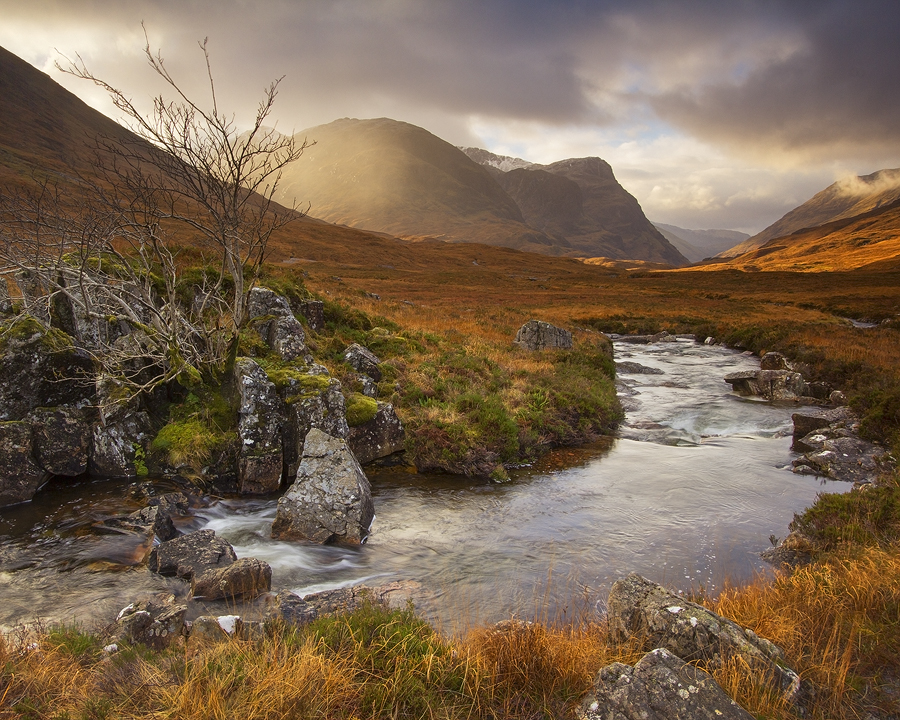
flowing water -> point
(688, 494)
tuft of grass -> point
(203, 423)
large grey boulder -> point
(769, 384)
(41, 368)
(259, 429)
(381, 436)
(313, 402)
(276, 323)
(121, 434)
(363, 360)
(660, 686)
(330, 500)
(641, 609)
(20, 475)
(61, 439)
(246, 578)
(191, 554)
(833, 452)
(539, 335)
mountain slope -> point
(581, 205)
(389, 176)
(844, 199)
(696, 245)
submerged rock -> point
(539, 335)
(191, 554)
(627, 367)
(639, 608)
(331, 500)
(660, 686)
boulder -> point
(316, 403)
(381, 436)
(774, 361)
(627, 367)
(246, 578)
(539, 335)
(20, 475)
(833, 452)
(770, 384)
(146, 520)
(212, 629)
(116, 446)
(191, 554)
(259, 429)
(363, 360)
(61, 439)
(650, 339)
(809, 421)
(330, 501)
(313, 311)
(155, 623)
(41, 367)
(290, 609)
(172, 503)
(639, 608)
(277, 325)
(660, 686)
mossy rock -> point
(360, 409)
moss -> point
(28, 328)
(360, 409)
(203, 423)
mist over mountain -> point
(846, 198)
(580, 204)
(698, 245)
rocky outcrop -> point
(290, 609)
(660, 686)
(61, 439)
(41, 368)
(330, 501)
(246, 578)
(155, 623)
(641, 609)
(539, 335)
(317, 402)
(273, 319)
(363, 360)
(191, 554)
(20, 475)
(381, 436)
(259, 429)
(769, 384)
(841, 455)
(627, 367)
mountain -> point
(870, 240)
(846, 198)
(697, 245)
(581, 205)
(388, 176)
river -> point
(688, 494)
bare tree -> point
(188, 175)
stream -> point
(688, 494)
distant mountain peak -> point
(503, 163)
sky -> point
(712, 114)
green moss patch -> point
(360, 409)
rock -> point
(290, 609)
(156, 624)
(836, 453)
(279, 328)
(638, 608)
(809, 421)
(648, 339)
(837, 398)
(774, 361)
(363, 360)
(213, 629)
(41, 368)
(190, 554)
(632, 368)
(115, 447)
(245, 578)
(770, 384)
(35, 295)
(795, 550)
(259, 429)
(369, 386)
(173, 503)
(330, 501)
(313, 311)
(147, 520)
(61, 439)
(318, 403)
(6, 305)
(660, 686)
(20, 475)
(539, 335)
(381, 436)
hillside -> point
(697, 245)
(580, 204)
(869, 241)
(841, 200)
